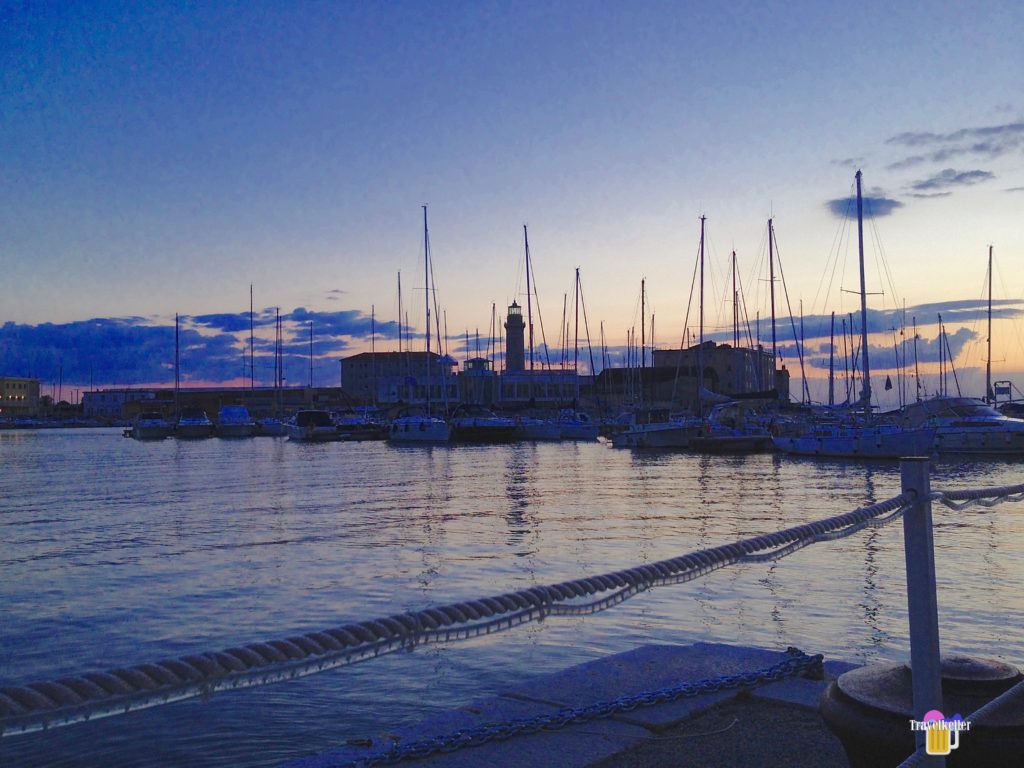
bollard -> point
(922, 605)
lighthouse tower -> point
(515, 357)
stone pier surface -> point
(774, 725)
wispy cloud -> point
(1015, 189)
(943, 180)
(988, 142)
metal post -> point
(922, 605)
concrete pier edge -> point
(646, 668)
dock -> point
(768, 725)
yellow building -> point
(18, 397)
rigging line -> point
(833, 259)
(590, 347)
(686, 324)
(880, 245)
(540, 319)
(792, 322)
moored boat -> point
(530, 428)
(235, 421)
(313, 426)
(965, 425)
(475, 424)
(419, 428)
(193, 423)
(151, 425)
(577, 425)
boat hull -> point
(313, 434)
(419, 430)
(868, 443)
(657, 436)
(236, 430)
(193, 431)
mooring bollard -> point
(922, 605)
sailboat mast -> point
(252, 357)
(643, 327)
(177, 364)
(988, 363)
(735, 307)
(576, 341)
(426, 283)
(771, 284)
(529, 295)
(310, 354)
(373, 348)
(831, 362)
(700, 344)
(866, 392)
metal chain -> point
(796, 663)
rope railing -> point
(44, 705)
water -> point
(115, 552)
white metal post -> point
(922, 605)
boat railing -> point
(45, 705)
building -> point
(122, 405)
(400, 377)
(675, 376)
(19, 397)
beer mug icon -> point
(941, 737)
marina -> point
(186, 546)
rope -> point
(983, 497)
(39, 706)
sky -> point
(160, 158)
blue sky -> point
(160, 157)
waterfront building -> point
(19, 397)
(399, 377)
(122, 405)
(673, 378)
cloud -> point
(347, 322)
(873, 205)
(214, 347)
(1015, 189)
(989, 142)
(849, 162)
(951, 178)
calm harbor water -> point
(115, 552)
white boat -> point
(967, 425)
(235, 421)
(419, 428)
(312, 427)
(193, 423)
(576, 425)
(530, 428)
(151, 425)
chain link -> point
(797, 662)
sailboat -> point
(848, 434)
(668, 431)
(967, 425)
(530, 427)
(422, 427)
